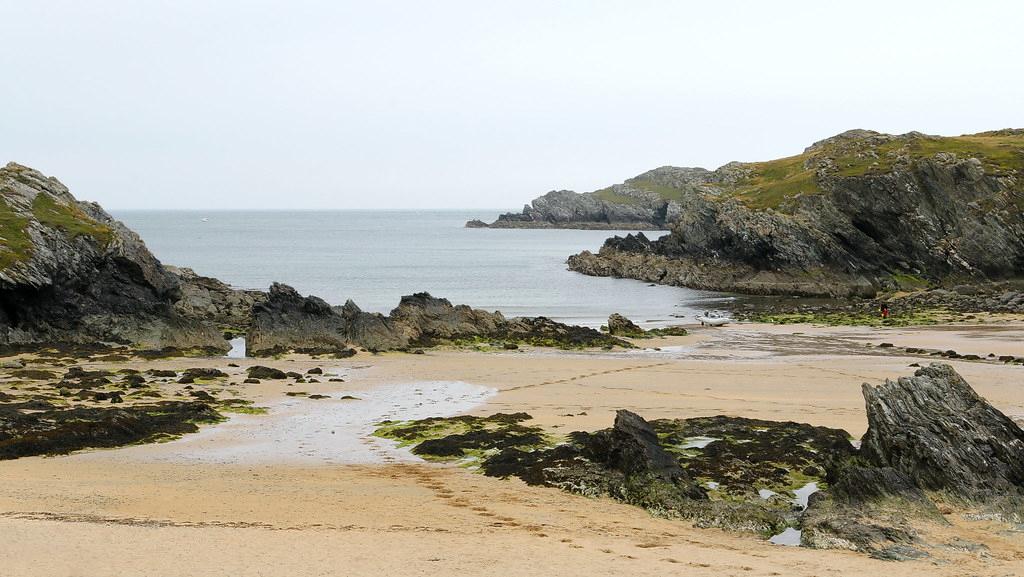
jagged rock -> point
(854, 214)
(929, 434)
(631, 447)
(620, 326)
(70, 273)
(288, 321)
(936, 430)
(214, 301)
(424, 319)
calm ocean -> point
(375, 256)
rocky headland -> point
(70, 273)
(650, 201)
(853, 215)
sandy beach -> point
(305, 489)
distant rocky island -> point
(72, 275)
(853, 215)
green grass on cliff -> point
(15, 244)
(68, 218)
(609, 195)
(772, 183)
(664, 192)
(997, 152)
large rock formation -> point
(852, 214)
(937, 431)
(930, 438)
(69, 273)
(212, 300)
(288, 321)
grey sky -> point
(311, 104)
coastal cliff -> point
(852, 215)
(70, 273)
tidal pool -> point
(299, 430)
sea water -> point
(375, 256)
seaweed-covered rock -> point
(743, 457)
(262, 372)
(203, 373)
(52, 430)
(632, 448)
(620, 326)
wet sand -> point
(222, 503)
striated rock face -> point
(287, 321)
(930, 438)
(69, 273)
(937, 431)
(853, 214)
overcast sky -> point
(330, 104)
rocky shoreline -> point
(932, 441)
(854, 215)
(71, 275)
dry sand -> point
(160, 510)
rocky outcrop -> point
(930, 438)
(288, 321)
(209, 299)
(620, 326)
(937, 431)
(69, 273)
(852, 215)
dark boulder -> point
(631, 447)
(621, 326)
(261, 372)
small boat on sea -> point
(713, 318)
